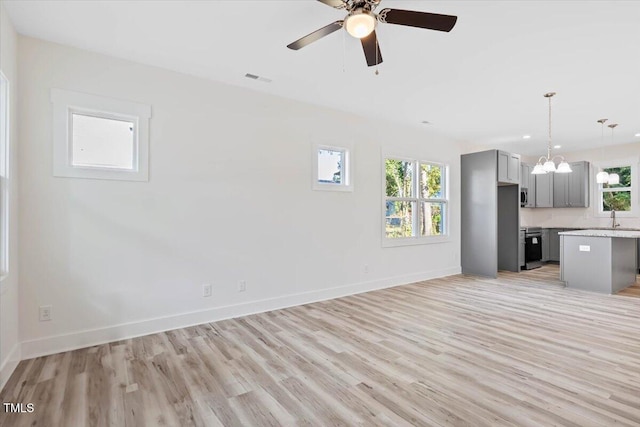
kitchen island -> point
(598, 260)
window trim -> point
(5, 187)
(66, 103)
(635, 205)
(347, 182)
(388, 242)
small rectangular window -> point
(98, 137)
(331, 168)
(102, 142)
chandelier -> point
(546, 164)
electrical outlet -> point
(206, 290)
(45, 313)
(242, 285)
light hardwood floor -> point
(520, 350)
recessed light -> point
(526, 136)
(557, 146)
(637, 134)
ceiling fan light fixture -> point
(360, 23)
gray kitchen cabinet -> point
(554, 244)
(521, 257)
(544, 190)
(561, 190)
(528, 182)
(545, 245)
(531, 190)
(486, 202)
(578, 196)
(508, 168)
(571, 190)
(525, 174)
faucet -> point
(613, 220)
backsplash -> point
(570, 217)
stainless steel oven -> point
(533, 247)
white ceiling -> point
(482, 83)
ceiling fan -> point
(361, 21)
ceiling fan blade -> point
(338, 4)
(371, 49)
(411, 18)
(316, 35)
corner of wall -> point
(9, 364)
(10, 346)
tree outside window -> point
(415, 202)
(617, 196)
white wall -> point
(9, 346)
(588, 217)
(229, 198)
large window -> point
(617, 197)
(98, 137)
(415, 201)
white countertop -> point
(628, 234)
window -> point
(102, 142)
(4, 176)
(97, 137)
(331, 168)
(415, 202)
(618, 197)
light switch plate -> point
(585, 248)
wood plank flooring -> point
(520, 350)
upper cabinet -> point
(544, 190)
(508, 168)
(528, 182)
(525, 175)
(557, 190)
(571, 190)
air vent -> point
(259, 78)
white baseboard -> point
(80, 339)
(9, 365)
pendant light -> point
(603, 176)
(614, 178)
(546, 164)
